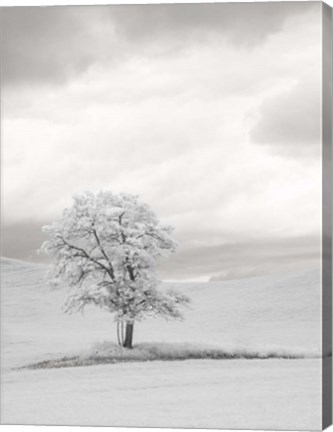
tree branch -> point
(85, 255)
(104, 253)
(123, 237)
(153, 235)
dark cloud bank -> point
(290, 122)
(54, 44)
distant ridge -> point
(254, 273)
(13, 263)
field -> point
(276, 313)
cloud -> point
(165, 108)
(289, 122)
(241, 23)
(37, 43)
(55, 44)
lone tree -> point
(106, 247)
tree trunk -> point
(122, 333)
(118, 334)
(129, 334)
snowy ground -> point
(248, 394)
(280, 311)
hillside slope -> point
(268, 312)
(281, 311)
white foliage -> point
(106, 247)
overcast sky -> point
(210, 112)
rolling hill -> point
(279, 312)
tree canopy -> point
(106, 248)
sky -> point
(209, 112)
